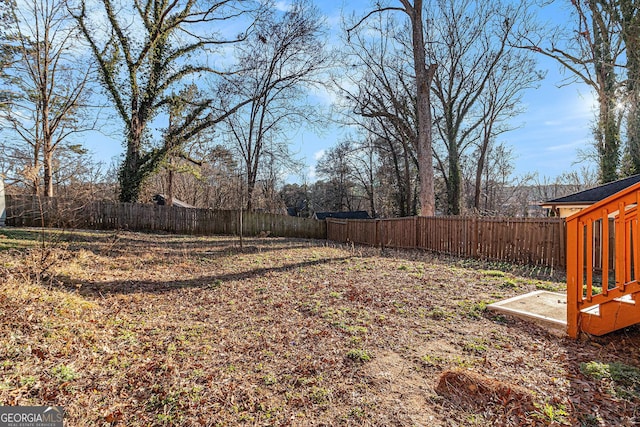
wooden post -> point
(474, 237)
(573, 252)
(376, 238)
(604, 258)
(588, 262)
(636, 240)
(620, 232)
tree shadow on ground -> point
(118, 242)
(179, 246)
(89, 289)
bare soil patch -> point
(136, 329)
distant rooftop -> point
(593, 195)
(161, 199)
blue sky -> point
(557, 121)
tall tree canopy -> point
(6, 48)
(474, 90)
(423, 77)
(590, 48)
(48, 80)
(150, 50)
(283, 59)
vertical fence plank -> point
(537, 241)
(520, 240)
(30, 211)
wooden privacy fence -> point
(30, 211)
(530, 241)
(539, 241)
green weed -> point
(508, 284)
(359, 355)
(494, 273)
(64, 373)
(624, 379)
(430, 360)
(270, 379)
(319, 395)
(438, 313)
(547, 286)
(476, 346)
(472, 310)
(552, 415)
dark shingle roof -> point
(596, 194)
(161, 199)
(343, 215)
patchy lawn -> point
(138, 329)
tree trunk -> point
(631, 36)
(47, 151)
(170, 186)
(130, 177)
(478, 182)
(608, 139)
(454, 181)
(424, 76)
(608, 129)
(48, 172)
(251, 185)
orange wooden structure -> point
(603, 265)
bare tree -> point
(50, 87)
(478, 82)
(500, 103)
(150, 50)
(378, 95)
(283, 57)
(208, 182)
(477, 85)
(366, 164)
(423, 77)
(336, 169)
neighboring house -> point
(342, 215)
(566, 206)
(161, 199)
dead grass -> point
(140, 329)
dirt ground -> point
(129, 329)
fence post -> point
(474, 237)
(3, 213)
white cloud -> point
(283, 6)
(318, 154)
(311, 174)
(569, 146)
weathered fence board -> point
(538, 241)
(531, 241)
(29, 211)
